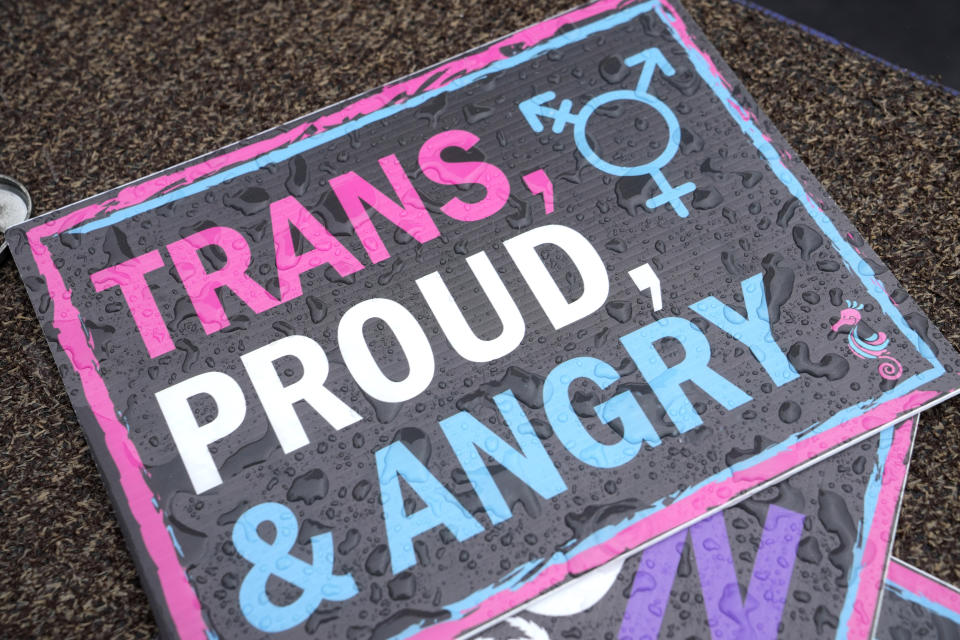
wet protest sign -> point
(399, 366)
(803, 559)
(918, 605)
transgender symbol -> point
(316, 581)
(533, 109)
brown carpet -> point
(98, 93)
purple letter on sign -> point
(650, 593)
(729, 615)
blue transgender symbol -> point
(535, 108)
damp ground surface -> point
(94, 95)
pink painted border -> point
(876, 549)
(181, 600)
(915, 581)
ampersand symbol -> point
(316, 580)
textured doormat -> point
(155, 86)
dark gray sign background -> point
(743, 221)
